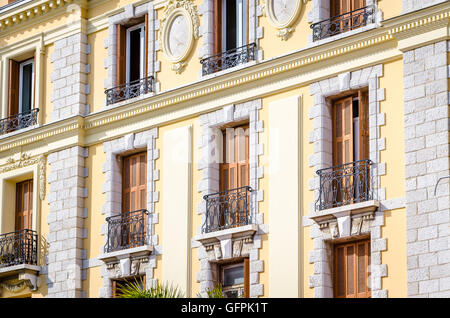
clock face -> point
(283, 10)
(178, 38)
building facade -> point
(280, 148)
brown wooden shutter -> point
(352, 261)
(234, 171)
(343, 131)
(217, 25)
(121, 49)
(363, 125)
(13, 98)
(134, 192)
(246, 278)
(358, 4)
(24, 205)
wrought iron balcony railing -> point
(20, 247)
(227, 209)
(345, 184)
(344, 22)
(228, 59)
(126, 230)
(19, 121)
(129, 90)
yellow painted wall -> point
(45, 110)
(393, 130)
(96, 98)
(273, 46)
(390, 8)
(394, 230)
(167, 78)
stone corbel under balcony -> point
(126, 262)
(228, 244)
(346, 221)
(14, 278)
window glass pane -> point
(135, 55)
(27, 81)
(233, 275)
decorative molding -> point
(29, 12)
(173, 9)
(285, 28)
(26, 160)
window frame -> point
(143, 41)
(21, 66)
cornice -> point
(387, 35)
(29, 11)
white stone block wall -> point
(69, 77)
(66, 222)
(207, 276)
(427, 126)
(413, 5)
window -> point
(21, 87)
(118, 284)
(351, 276)
(350, 129)
(349, 13)
(234, 170)
(24, 205)
(235, 279)
(231, 24)
(131, 48)
(134, 191)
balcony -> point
(126, 230)
(19, 121)
(17, 248)
(343, 23)
(345, 184)
(227, 209)
(228, 59)
(129, 90)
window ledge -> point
(18, 131)
(22, 272)
(343, 35)
(235, 232)
(350, 209)
(229, 70)
(129, 101)
(140, 251)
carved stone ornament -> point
(25, 160)
(16, 286)
(179, 28)
(282, 14)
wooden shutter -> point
(134, 192)
(358, 4)
(24, 205)
(121, 49)
(363, 125)
(13, 99)
(352, 261)
(246, 278)
(217, 26)
(234, 171)
(343, 131)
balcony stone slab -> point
(348, 220)
(228, 244)
(20, 274)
